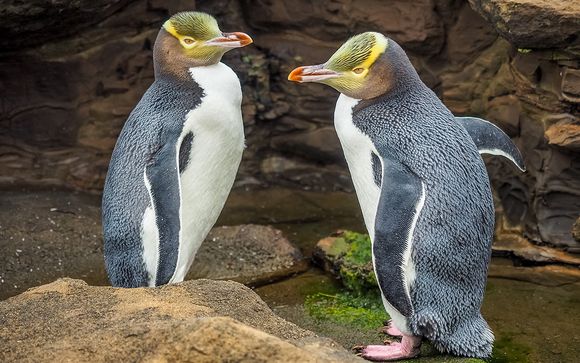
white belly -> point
(215, 156)
(357, 149)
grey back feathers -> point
(488, 138)
(146, 143)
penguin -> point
(424, 193)
(491, 140)
(176, 157)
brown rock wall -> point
(65, 94)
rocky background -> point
(70, 72)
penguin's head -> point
(366, 66)
(198, 37)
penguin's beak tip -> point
(296, 75)
(244, 38)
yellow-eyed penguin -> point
(176, 158)
(424, 193)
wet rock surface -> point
(49, 234)
(194, 321)
(249, 254)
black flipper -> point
(401, 199)
(185, 151)
(163, 176)
(490, 139)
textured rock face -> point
(56, 234)
(195, 321)
(65, 100)
(249, 254)
(31, 23)
(533, 23)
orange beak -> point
(315, 73)
(231, 40)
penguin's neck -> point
(398, 96)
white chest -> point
(215, 156)
(357, 149)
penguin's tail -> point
(472, 337)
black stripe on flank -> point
(185, 151)
(164, 180)
(400, 193)
(377, 169)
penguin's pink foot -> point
(408, 348)
(391, 330)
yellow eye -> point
(358, 70)
(188, 41)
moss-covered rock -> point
(348, 255)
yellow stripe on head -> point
(359, 51)
(171, 29)
(377, 49)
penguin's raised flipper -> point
(490, 139)
(162, 175)
(401, 200)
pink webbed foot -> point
(407, 348)
(391, 330)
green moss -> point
(355, 262)
(346, 308)
(360, 251)
(507, 350)
(340, 247)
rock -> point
(27, 24)
(69, 85)
(564, 132)
(194, 321)
(279, 164)
(249, 254)
(504, 111)
(321, 145)
(533, 23)
(58, 233)
(348, 255)
(576, 230)
(571, 85)
(469, 35)
(517, 246)
(550, 275)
